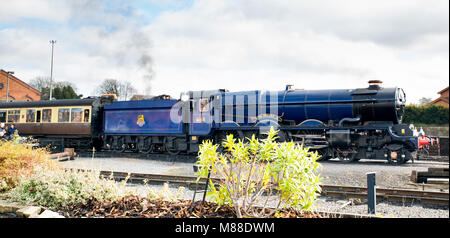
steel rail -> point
(391, 195)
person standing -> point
(12, 130)
(2, 130)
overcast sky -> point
(171, 46)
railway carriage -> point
(61, 123)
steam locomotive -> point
(349, 124)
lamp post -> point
(51, 73)
(7, 85)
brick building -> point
(442, 100)
(18, 90)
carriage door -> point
(38, 116)
(201, 116)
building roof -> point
(441, 98)
(443, 90)
(437, 100)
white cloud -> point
(265, 45)
(51, 10)
(241, 45)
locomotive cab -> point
(198, 109)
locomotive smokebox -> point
(376, 103)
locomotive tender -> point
(350, 124)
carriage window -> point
(204, 107)
(86, 115)
(13, 115)
(77, 113)
(31, 115)
(46, 115)
(2, 116)
(63, 115)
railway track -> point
(404, 196)
(191, 157)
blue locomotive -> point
(349, 124)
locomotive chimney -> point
(375, 84)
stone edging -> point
(27, 211)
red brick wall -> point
(18, 90)
(441, 103)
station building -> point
(442, 100)
(18, 90)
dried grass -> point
(18, 160)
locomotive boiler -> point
(345, 105)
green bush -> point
(429, 115)
(261, 173)
(54, 188)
